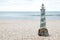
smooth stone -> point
(43, 32)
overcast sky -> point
(29, 5)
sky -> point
(29, 5)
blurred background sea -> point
(50, 15)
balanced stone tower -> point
(43, 31)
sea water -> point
(51, 15)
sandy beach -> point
(28, 30)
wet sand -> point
(28, 30)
